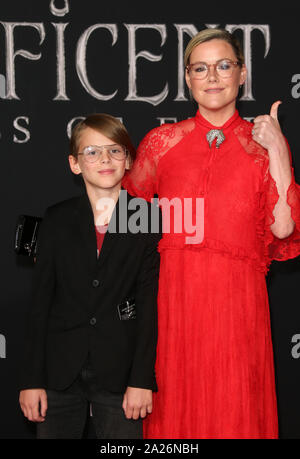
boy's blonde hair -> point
(107, 125)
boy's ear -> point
(128, 163)
(74, 165)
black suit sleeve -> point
(32, 374)
(142, 371)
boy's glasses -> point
(92, 153)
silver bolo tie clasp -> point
(215, 134)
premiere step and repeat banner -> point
(61, 60)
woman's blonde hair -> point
(212, 34)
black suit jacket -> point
(76, 296)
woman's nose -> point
(212, 73)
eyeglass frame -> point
(235, 63)
(101, 147)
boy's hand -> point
(31, 400)
(137, 402)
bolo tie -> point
(215, 134)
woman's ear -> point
(188, 79)
(74, 165)
(188, 82)
(243, 75)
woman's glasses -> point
(223, 67)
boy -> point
(93, 323)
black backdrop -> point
(64, 59)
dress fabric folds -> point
(214, 365)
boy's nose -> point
(105, 156)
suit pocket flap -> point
(127, 310)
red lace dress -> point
(215, 360)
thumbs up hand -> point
(274, 110)
(266, 130)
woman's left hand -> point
(267, 132)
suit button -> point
(93, 321)
(95, 283)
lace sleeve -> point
(281, 249)
(141, 179)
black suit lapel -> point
(115, 235)
(85, 220)
(117, 224)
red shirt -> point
(100, 233)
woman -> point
(92, 326)
(215, 361)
